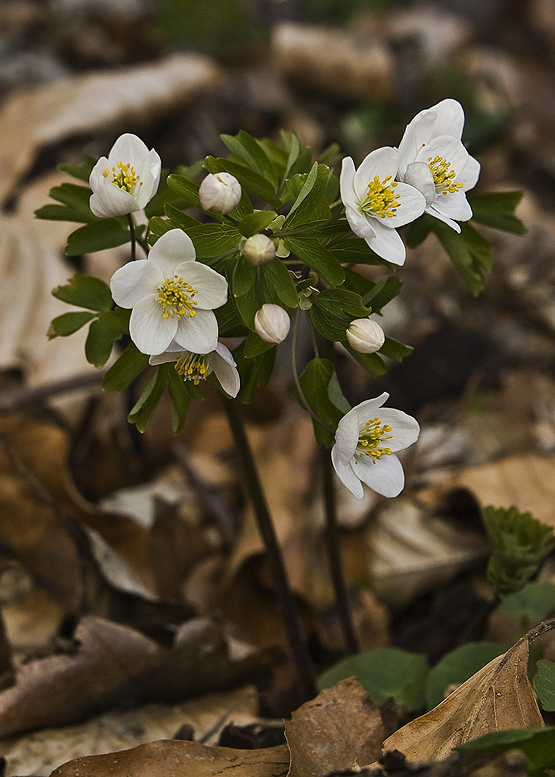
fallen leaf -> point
(337, 730)
(180, 759)
(496, 698)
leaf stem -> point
(336, 567)
(132, 233)
(296, 639)
(296, 377)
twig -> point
(24, 397)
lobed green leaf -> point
(85, 291)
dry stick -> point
(24, 397)
(336, 567)
(297, 642)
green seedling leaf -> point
(544, 684)
(318, 258)
(538, 745)
(248, 151)
(519, 545)
(532, 604)
(256, 222)
(68, 323)
(101, 234)
(314, 382)
(384, 673)
(497, 210)
(278, 279)
(456, 667)
(85, 291)
(142, 412)
(124, 371)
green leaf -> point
(497, 209)
(336, 395)
(255, 222)
(382, 293)
(315, 381)
(255, 184)
(101, 234)
(85, 291)
(244, 277)
(277, 277)
(254, 346)
(532, 604)
(178, 219)
(318, 258)
(187, 190)
(395, 350)
(213, 240)
(457, 667)
(99, 342)
(538, 745)
(248, 304)
(243, 209)
(355, 250)
(372, 362)
(124, 371)
(310, 204)
(179, 396)
(419, 230)
(469, 252)
(544, 684)
(248, 150)
(142, 412)
(68, 323)
(117, 319)
(83, 170)
(344, 304)
(293, 147)
(254, 373)
(519, 545)
(327, 326)
(75, 206)
(158, 226)
(384, 672)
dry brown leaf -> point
(337, 730)
(169, 758)
(527, 482)
(66, 688)
(496, 698)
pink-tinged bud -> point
(220, 193)
(272, 323)
(365, 335)
(259, 250)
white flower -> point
(433, 159)
(365, 335)
(259, 250)
(125, 181)
(365, 443)
(271, 323)
(197, 367)
(375, 203)
(172, 297)
(220, 192)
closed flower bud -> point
(272, 323)
(220, 193)
(365, 335)
(259, 250)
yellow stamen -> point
(192, 366)
(381, 197)
(371, 435)
(443, 177)
(176, 298)
(124, 176)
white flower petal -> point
(150, 332)
(469, 176)
(109, 200)
(432, 210)
(404, 428)
(211, 286)
(223, 364)
(382, 162)
(149, 174)
(449, 118)
(446, 147)
(368, 408)
(385, 476)
(419, 175)
(346, 437)
(454, 205)
(169, 355)
(360, 223)
(199, 333)
(411, 205)
(172, 248)
(133, 281)
(346, 475)
(387, 243)
(128, 148)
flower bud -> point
(220, 192)
(259, 250)
(271, 323)
(365, 335)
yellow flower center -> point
(175, 298)
(381, 197)
(192, 366)
(124, 176)
(443, 177)
(372, 434)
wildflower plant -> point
(280, 242)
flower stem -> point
(296, 639)
(132, 233)
(336, 568)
